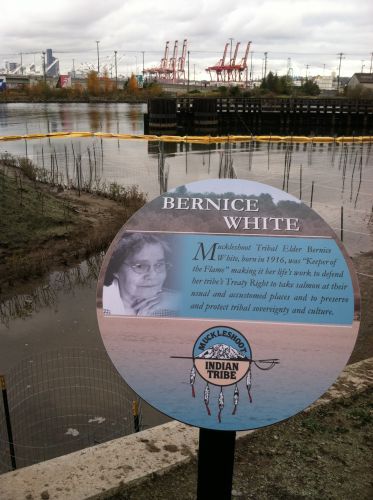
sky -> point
(306, 35)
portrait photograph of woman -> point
(139, 279)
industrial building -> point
(52, 64)
(363, 79)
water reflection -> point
(328, 176)
(47, 294)
(94, 120)
(22, 118)
(337, 174)
(134, 116)
(163, 169)
(226, 168)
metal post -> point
(188, 73)
(339, 71)
(371, 61)
(313, 184)
(215, 456)
(143, 62)
(98, 58)
(265, 64)
(44, 72)
(116, 69)
(135, 413)
(8, 422)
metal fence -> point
(62, 401)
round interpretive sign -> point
(228, 304)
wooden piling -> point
(162, 114)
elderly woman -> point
(135, 277)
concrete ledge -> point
(100, 471)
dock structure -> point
(264, 115)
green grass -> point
(29, 215)
(40, 230)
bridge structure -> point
(18, 80)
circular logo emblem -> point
(222, 355)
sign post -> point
(228, 305)
(216, 452)
(8, 422)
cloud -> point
(305, 30)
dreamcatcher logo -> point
(222, 356)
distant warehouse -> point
(363, 79)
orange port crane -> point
(231, 72)
(158, 71)
(181, 61)
(164, 60)
(243, 64)
(220, 65)
(172, 69)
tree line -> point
(96, 87)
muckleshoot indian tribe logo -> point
(222, 356)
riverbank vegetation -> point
(106, 89)
(280, 86)
(97, 90)
(45, 226)
(271, 86)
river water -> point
(60, 317)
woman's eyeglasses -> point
(143, 268)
